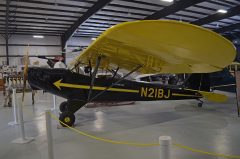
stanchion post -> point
(49, 135)
(14, 106)
(165, 147)
(23, 139)
(54, 103)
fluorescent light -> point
(38, 36)
(222, 11)
(167, 0)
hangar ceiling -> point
(89, 18)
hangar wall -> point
(49, 45)
(76, 43)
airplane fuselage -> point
(73, 86)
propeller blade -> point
(25, 71)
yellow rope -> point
(143, 144)
(204, 152)
(105, 140)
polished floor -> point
(214, 128)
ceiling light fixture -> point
(38, 36)
(222, 11)
(167, 1)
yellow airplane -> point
(154, 46)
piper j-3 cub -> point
(155, 46)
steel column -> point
(7, 31)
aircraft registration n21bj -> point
(155, 46)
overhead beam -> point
(31, 29)
(218, 16)
(39, 22)
(228, 28)
(32, 18)
(149, 3)
(41, 14)
(35, 26)
(175, 7)
(36, 2)
(31, 33)
(39, 8)
(233, 36)
(133, 7)
(95, 8)
(123, 12)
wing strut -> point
(93, 76)
(115, 72)
(118, 81)
(90, 68)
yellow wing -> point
(160, 46)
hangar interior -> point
(50, 29)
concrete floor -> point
(213, 128)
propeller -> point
(25, 71)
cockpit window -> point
(146, 79)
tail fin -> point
(199, 81)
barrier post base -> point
(165, 147)
(54, 103)
(23, 140)
(13, 123)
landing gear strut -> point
(68, 109)
(63, 106)
(200, 104)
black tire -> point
(67, 118)
(63, 106)
(200, 105)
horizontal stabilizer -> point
(214, 97)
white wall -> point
(79, 41)
(51, 45)
(33, 50)
(74, 43)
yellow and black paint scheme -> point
(73, 86)
(132, 44)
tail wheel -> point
(63, 106)
(67, 118)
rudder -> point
(199, 81)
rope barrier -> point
(103, 139)
(142, 144)
(204, 152)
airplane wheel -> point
(200, 105)
(63, 106)
(67, 118)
